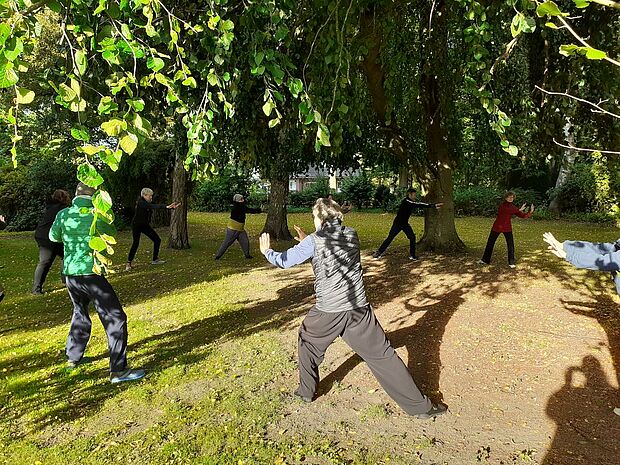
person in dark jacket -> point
(48, 250)
(503, 225)
(342, 309)
(235, 231)
(401, 223)
(141, 224)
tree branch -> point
(597, 107)
(583, 42)
(572, 147)
(608, 3)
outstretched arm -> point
(291, 257)
(253, 210)
(583, 254)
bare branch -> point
(608, 3)
(596, 106)
(579, 149)
(583, 42)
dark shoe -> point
(249, 257)
(127, 375)
(435, 411)
(37, 292)
(307, 400)
(482, 262)
(217, 258)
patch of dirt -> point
(527, 360)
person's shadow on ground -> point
(588, 431)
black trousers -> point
(231, 237)
(362, 332)
(149, 232)
(96, 289)
(394, 230)
(48, 251)
(510, 243)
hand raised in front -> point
(301, 235)
(264, 242)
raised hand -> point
(301, 235)
(555, 246)
(532, 208)
(174, 205)
(264, 242)
(438, 205)
(523, 207)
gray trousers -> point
(96, 289)
(232, 236)
(362, 332)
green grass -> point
(207, 334)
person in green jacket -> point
(72, 228)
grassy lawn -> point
(211, 336)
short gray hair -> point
(146, 191)
(237, 198)
(324, 209)
(83, 189)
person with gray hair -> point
(235, 230)
(141, 224)
(342, 309)
(72, 228)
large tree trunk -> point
(439, 229)
(179, 236)
(568, 160)
(277, 224)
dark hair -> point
(60, 196)
(508, 194)
(410, 190)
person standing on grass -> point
(342, 309)
(141, 224)
(401, 223)
(235, 231)
(48, 250)
(72, 228)
(503, 225)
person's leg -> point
(366, 337)
(59, 249)
(510, 243)
(394, 230)
(113, 318)
(244, 242)
(46, 258)
(316, 333)
(408, 230)
(488, 250)
(231, 236)
(152, 235)
(79, 332)
(135, 232)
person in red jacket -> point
(503, 225)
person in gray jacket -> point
(342, 309)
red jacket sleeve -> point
(515, 211)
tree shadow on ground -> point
(587, 429)
(67, 396)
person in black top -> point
(48, 250)
(401, 223)
(235, 230)
(141, 224)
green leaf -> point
(80, 133)
(343, 109)
(66, 92)
(516, 26)
(90, 149)
(594, 54)
(274, 122)
(213, 79)
(512, 150)
(258, 58)
(112, 159)
(551, 25)
(102, 200)
(113, 127)
(89, 175)
(106, 105)
(8, 76)
(190, 82)
(296, 86)
(96, 243)
(24, 96)
(322, 134)
(129, 143)
(13, 49)
(136, 104)
(154, 63)
(582, 3)
(5, 33)
(549, 9)
(227, 25)
(267, 107)
(80, 62)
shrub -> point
(483, 201)
(578, 193)
(307, 197)
(383, 197)
(359, 190)
(24, 190)
(215, 194)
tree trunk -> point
(403, 176)
(568, 160)
(179, 236)
(439, 229)
(277, 224)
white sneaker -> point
(159, 261)
(482, 262)
(413, 259)
(128, 267)
(512, 266)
